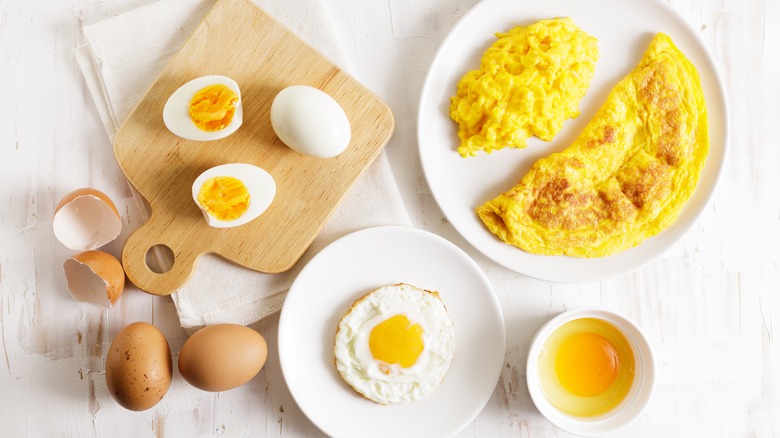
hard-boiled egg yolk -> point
(586, 364)
(224, 197)
(213, 107)
(397, 341)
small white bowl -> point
(624, 413)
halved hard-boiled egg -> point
(233, 194)
(86, 219)
(395, 344)
(205, 108)
(95, 277)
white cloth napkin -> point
(120, 60)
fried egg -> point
(625, 178)
(530, 81)
(395, 344)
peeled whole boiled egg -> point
(233, 194)
(95, 277)
(86, 219)
(205, 108)
(310, 121)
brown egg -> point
(95, 277)
(139, 366)
(222, 357)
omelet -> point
(625, 178)
(530, 81)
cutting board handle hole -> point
(160, 258)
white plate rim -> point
(497, 332)
(562, 269)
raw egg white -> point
(205, 108)
(586, 367)
(233, 194)
(310, 121)
(395, 344)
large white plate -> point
(355, 265)
(624, 29)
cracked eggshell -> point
(86, 219)
(95, 277)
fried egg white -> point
(395, 344)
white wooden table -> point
(710, 306)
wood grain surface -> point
(710, 306)
(263, 58)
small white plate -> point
(624, 30)
(355, 265)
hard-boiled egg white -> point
(205, 108)
(310, 121)
(86, 219)
(395, 344)
(95, 277)
(233, 194)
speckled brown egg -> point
(139, 366)
(222, 357)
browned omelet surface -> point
(625, 178)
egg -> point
(222, 357)
(233, 194)
(206, 108)
(529, 82)
(625, 178)
(139, 367)
(310, 121)
(95, 277)
(395, 344)
(586, 368)
(86, 219)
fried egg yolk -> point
(212, 108)
(224, 197)
(396, 341)
(587, 364)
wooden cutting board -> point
(241, 41)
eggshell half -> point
(222, 357)
(95, 277)
(139, 367)
(86, 219)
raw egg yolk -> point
(397, 341)
(213, 107)
(586, 364)
(224, 197)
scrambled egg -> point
(625, 178)
(529, 82)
